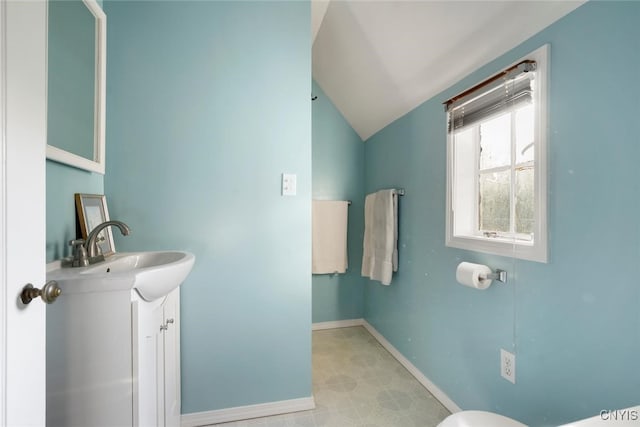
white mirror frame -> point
(98, 163)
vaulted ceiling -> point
(378, 60)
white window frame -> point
(507, 246)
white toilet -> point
(479, 419)
(629, 417)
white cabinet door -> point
(172, 360)
(148, 363)
(157, 361)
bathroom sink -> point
(152, 274)
(156, 273)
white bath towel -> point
(380, 246)
(329, 237)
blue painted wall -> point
(207, 104)
(62, 183)
(573, 323)
(338, 174)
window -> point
(496, 163)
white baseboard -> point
(286, 406)
(426, 382)
(197, 419)
(337, 324)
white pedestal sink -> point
(152, 274)
(113, 341)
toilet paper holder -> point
(499, 275)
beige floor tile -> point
(357, 383)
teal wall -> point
(207, 104)
(338, 174)
(62, 183)
(573, 323)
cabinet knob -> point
(166, 324)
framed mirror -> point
(76, 67)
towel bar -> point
(399, 192)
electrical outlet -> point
(508, 366)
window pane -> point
(524, 134)
(524, 200)
(494, 201)
(465, 169)
(495, 142)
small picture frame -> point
(92, 211)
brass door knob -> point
(49, 292)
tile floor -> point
(356, 382)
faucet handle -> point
(80, 258)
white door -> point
(22, 210)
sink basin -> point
(152, 274)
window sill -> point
(531, 251)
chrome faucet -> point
(88, 252)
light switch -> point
(288, 184)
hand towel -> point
(367, 244)
(380, 247)
(329, 237)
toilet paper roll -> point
(472, 275)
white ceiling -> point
(378, 60)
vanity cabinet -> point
(156, 360)
(113, 359)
